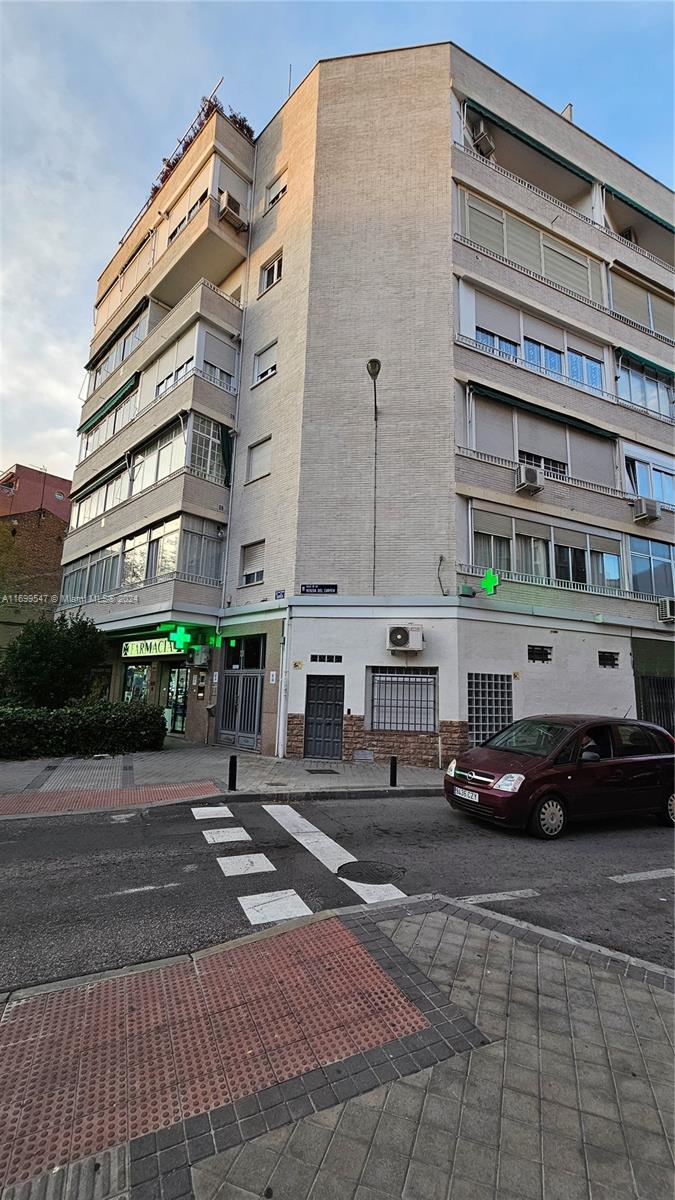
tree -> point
(51, 663)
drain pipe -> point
(282, 705)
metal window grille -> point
(608, 658)
(490, 705)
(325, 658)
(542, 654)
(404, 698)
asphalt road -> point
(88, 893)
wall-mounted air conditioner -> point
(482, 142)
(406, 638)
(666, 609)
(232, 211)
(645, 510)
(529, 479)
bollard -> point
(393, 770)
(232, 774)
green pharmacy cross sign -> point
(180, 637)
(490, 582)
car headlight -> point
(509, 783)
(451, 768)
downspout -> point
(226, 557)
(282, 706)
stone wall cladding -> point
(411, 749)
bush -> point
(50, 664)
(87, 729)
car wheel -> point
(667, 813)
(548, 818)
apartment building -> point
(291, 559)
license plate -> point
(464, 795)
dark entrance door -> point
(324, 708)
(656, 700)
(177, 698)
(242, 689)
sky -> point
(93, 95)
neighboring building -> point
(514, 277)
(34, 513)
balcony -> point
(547, 597)
(580, 497)
(176, 597)
(518, 361)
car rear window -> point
(633, 740)
(538, 738)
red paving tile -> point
(89, 1067)
(13, 804)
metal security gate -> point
(324, 708)
(656, 700)
(241, 710)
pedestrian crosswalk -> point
(281, 905)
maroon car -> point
(542, 772)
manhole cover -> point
(321, 771)
(370, 872)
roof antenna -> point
(290, 71)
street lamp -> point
(373, 367)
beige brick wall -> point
(380, 287)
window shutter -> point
(595, 272)
(230, 182)
(630, 300)
(486, 225)
(491, 522)
(533, 529)
(220, 354)
(560, 267)
(536, 435)
(569, 537)
(541, 331)
(185, 347)
(497, 317)
(260, 458)
(266, 360)
(523, 244)
(605, 545)
(253, 558)
(663, 315)
(178, 211)
(199, 185)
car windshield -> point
(536, 737)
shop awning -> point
(638, 208)
(489, 393)
(529, 141)
(116, 398)
(645, 362)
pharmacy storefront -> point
(155, 671)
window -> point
(645, 387)
(100, 500)
(259, 460)
(608, 658)
(271, 274)
(570, 563)
(652, 566)
(539, 460)
(192, 211)
(206, 456)
(265, 363)
(277, 189)
(202, 546)
(252, 563)
(641, 305)
(645, 479)
(331, 658)
(584, 370)
(532, 555)
(158, 459)
(633, 741)
(503, 345)
(605, 569)
(598, 739)
(123, 347)
(490, 705)
(218, 376)
(174, 377)
(541, 654)
(490, 550)
(546, 358)
(150, 554)
(403, 698)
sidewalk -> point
(426, 1050)
(188, 772)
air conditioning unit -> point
(406, 638)
(232, 211)
(482, 142)
(529, 479)
(646, 511)
(666, 609)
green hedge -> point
(82, 730)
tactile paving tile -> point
(14, 804)
(88, 1067)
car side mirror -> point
(589, 756)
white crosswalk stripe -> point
(235, 833)
(219, 811)
(245, 864)
(639, 876)
(273, 906)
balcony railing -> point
(114, 595)
(531, 187)
(115, 508)
(558, 287)
(564, 584)
(517, 360)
